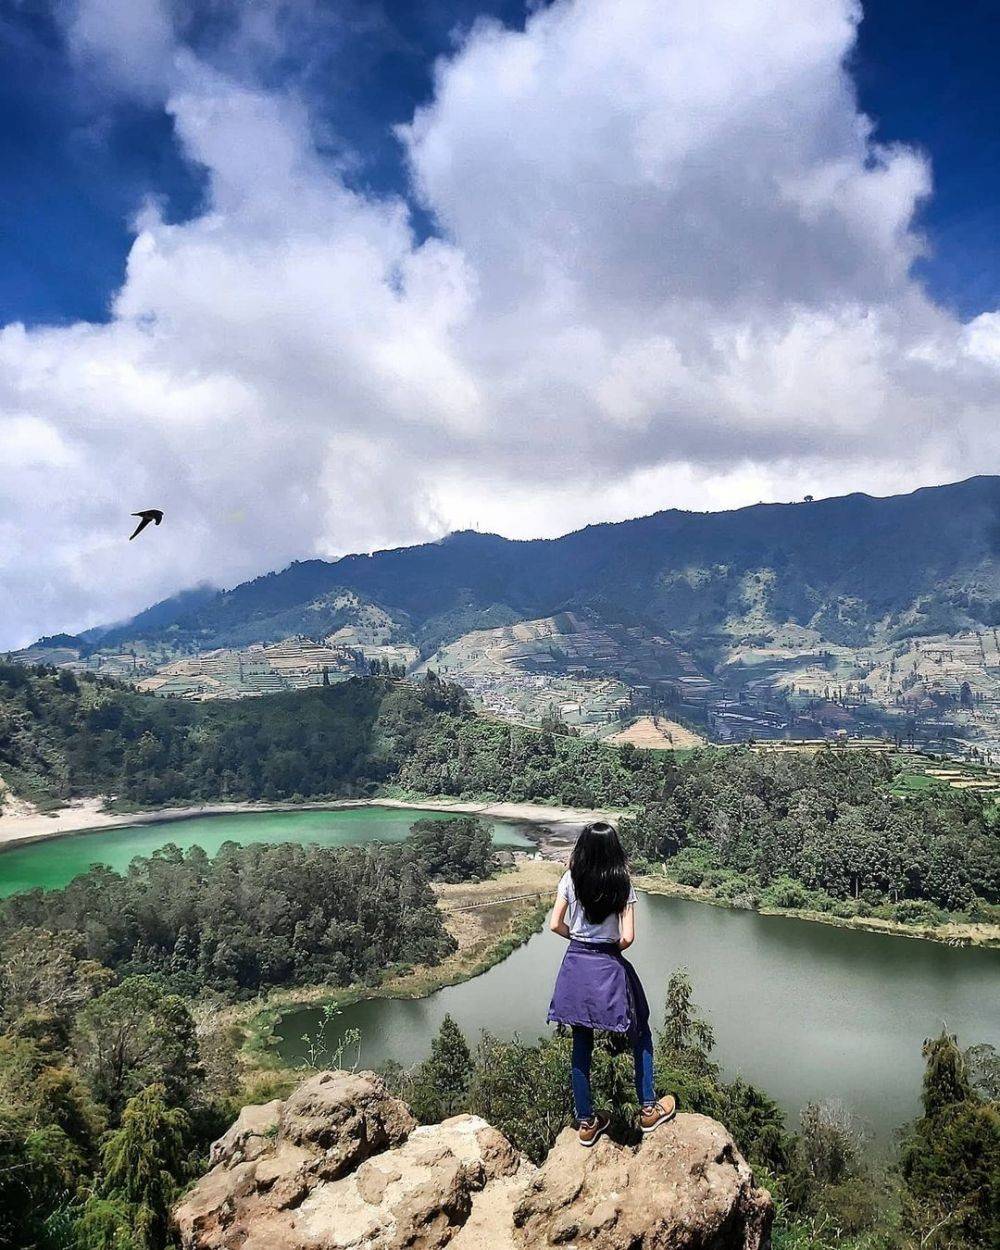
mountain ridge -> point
(373, 572)
(766, 603)
(301, 579)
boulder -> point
(274, 1155)
(418, 1195)
(248, 1137)
(341, 1165)
(683, 1187)
(345, 1115)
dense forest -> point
(823, 831)
(259, 916)
(253, 917)
(62, 736)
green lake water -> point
(804, 1010)
(54, 863)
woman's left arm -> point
(627, 923)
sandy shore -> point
(19, 822)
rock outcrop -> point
(684, 1187)
(341, 1165)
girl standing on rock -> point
(597, 988)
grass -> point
(912, 783)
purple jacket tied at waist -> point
(598, 987)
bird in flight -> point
(149, 514)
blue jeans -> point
(583, 1050)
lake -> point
(804, 1010)
(54, 863)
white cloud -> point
(674, 269)
(129, 42)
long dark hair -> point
(600, 872)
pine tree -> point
(142, 1161)
(442, 1083)
(686, 1040)
(945, 1079)
(951, 1164)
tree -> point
(105, 1224)
(946, 1081)
(142, 1163)
(686, 1040)
(828, 1147)
(35, 1163)
(757, 1125)
(982, 1064)
(133, 1035)
(453, 850)
(951, 1162)
(442, 1082)
(524, 1091)
(42, 971)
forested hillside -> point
(824, 832)
(62, 736)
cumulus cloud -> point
(671, 268)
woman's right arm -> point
(627, 923)
(557, 922)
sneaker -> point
(657, 1113)
(591, 1129)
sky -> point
(321, 276)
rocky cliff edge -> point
(342, 1165)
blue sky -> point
(322, 276)
(78, 162)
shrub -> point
(690, 866)
(914, 911)
(786, 892)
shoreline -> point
(554, 829)
(949, 933)
(89, 816)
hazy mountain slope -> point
(849, 567)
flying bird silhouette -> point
(149, 514)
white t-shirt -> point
(609, 930)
